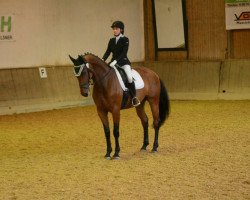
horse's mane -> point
(87, 53)
(95, 56)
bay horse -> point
(108, 94)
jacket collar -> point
(118, 37)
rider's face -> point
(116, 31)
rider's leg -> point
(135, 100)
(131, 84)
(128, 72)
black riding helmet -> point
(118, 24)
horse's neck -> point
(104, 78)
(99, 67)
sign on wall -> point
(6, 28)
(237, 14)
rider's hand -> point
(112, 64)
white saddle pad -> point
(139, 83)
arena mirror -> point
(170, 24)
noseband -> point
(78, 71)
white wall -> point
(46, 31)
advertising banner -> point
(6, 28)
(237, 14)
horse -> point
(108, 95)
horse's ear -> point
(72, 59)
(80, 58)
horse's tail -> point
(164, 104)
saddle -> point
(123, 80)
(123, 75)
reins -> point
(106, 74)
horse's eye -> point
(77, 69)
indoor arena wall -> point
(43, 33)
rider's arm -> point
(124, 50)
(108, 51)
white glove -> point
(112, 64)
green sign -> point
(6, 28)
(5, 24)
(237, 1)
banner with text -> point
(237, 14)
(6, 28)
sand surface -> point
(204, 153)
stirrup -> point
(137, 102)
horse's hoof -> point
(116, 158)
(143, 150)
(107, 157)
(154, 151)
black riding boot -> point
(135, 100)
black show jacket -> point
(119, 51)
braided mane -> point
(87, 53)
(95, 56)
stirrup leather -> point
(136, 100)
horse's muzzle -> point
(85, 94)
(84, 88)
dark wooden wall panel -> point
(207, 40)
(172, 55)
(240, 44)
(206, 29)
(208, 10)
(149, 31)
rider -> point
(118, 46)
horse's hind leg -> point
(154, 105)
(144, 121)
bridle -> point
(81, 68)
(78, 70)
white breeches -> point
(128, 72)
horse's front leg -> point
(109, 147)
(104, 118)
(116, 120)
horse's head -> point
(81, 71)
